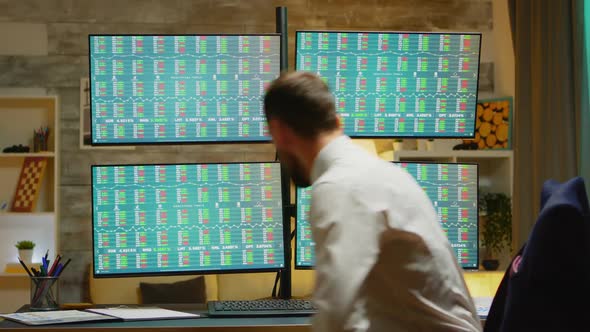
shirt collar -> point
(327, 155)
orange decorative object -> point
(29, 183)
(493, 125)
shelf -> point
(13, 275)
(49, 154)
(106, 147)
(11, 220)
(453, 154)
(15, 269)
(26, 214)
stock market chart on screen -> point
(180, 88)
(453, 190)
(390, 84)
(178, 218)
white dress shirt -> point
(383, 262)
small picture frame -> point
(493, 127)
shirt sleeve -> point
(346, 232)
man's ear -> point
(339, 121)
(275, 127)
(282, 134)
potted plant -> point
(496, 227)
(25, 250)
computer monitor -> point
(453, 190)
(154, 89)
(187, 218)
(397, 84)
(304, 244)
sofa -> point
(252, 286)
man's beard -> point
(295, 169)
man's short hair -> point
(303, 102)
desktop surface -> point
(203, 323)
(267, 324)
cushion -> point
(187, 291)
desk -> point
(253, 324)
(289, 324)
(270, 324)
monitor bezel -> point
(411, 135)
(311, 267)
(209, 141)
(184, 272)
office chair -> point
(546, 287)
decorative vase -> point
(490, 264)
(26, 255)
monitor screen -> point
(148, 89)
(453, 190)
(397, 84)
(187, 218)
(304, 244)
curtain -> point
(583, 33)
(546, 102)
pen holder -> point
(44, 293)
(39, 143)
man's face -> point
(295, 168)
(286, 144)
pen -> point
(44, 263)
(58, 269)
(64, 266)
(25, 267)
(47, 254)
(52, 269)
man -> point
(382, 261)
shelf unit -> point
(13, 275)
(28, 154)
(21, 115)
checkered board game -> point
(29, 183)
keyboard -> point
(273, 307)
